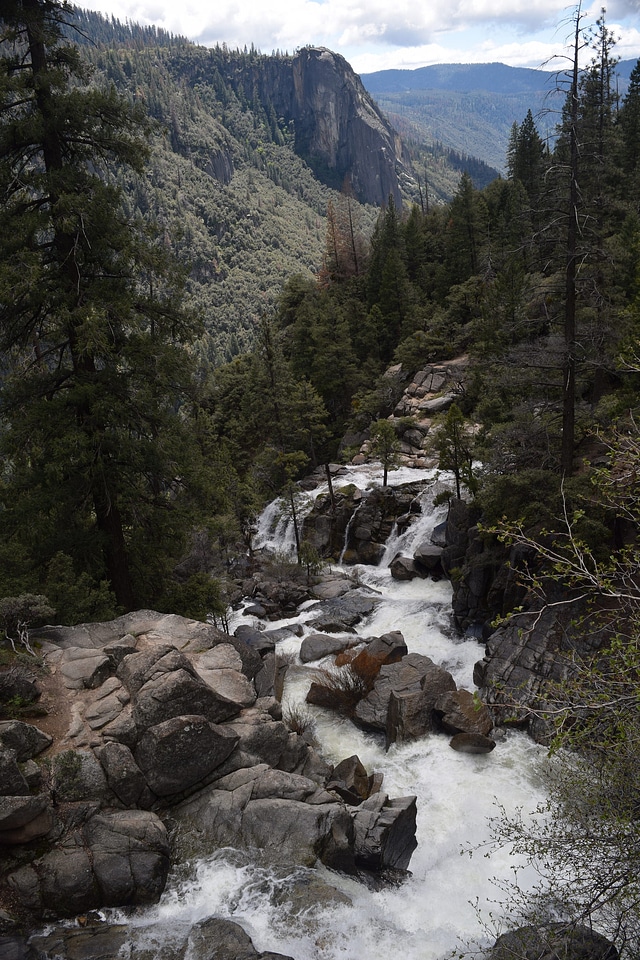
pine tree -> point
(91, 337)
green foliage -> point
(385, 446)
(97, 457)
(199, 598)
(453, 444)
(19, 614)
(531, 495)
(310, 559)
(585, 841)
(75, 597)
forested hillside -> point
(240, 208)
(470, 108)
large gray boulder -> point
(25, 739)
(319, 645)
(266, 739)
(300, 832)
(389, 648)
(179, 753)
(351, 782)
(247, 809)
(428, 557)
(403, 697)
(385, 832)
(112, 860)
(163, 684)
(124, 776)
(223, 940)
(342, 614)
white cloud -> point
(385, 32)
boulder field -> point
(162, 738)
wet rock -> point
(256, 610)
(554, 941)
(319, 645)
(343, 614)
(427, 557)
(330, 588)
(98, 941)
(389, 648)
(350, 780)
(385, 832)
(300, 832)
(257, 640)
(403, 568)
(413, 685)
(224, 940)
(472, 743)
(461, 712)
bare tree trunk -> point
(569, 364)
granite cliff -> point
(338, 129)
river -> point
(435, 911)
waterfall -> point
(348, 531)
(429, 915)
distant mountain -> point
(459, 78)
(471, 107)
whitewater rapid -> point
(437, 909)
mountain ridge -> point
(471, 108)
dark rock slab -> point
(12, 782)
(427, 557)
(461, 712)
(414, 684)
(385, 832)
(403, 568)
(472, 743)
(555, 941)
(179, 753)
(124, 776)
(344, 613)
(27, 740)
(114, 859)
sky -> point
(382, 34)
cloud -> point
(520, 32)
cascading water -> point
(435, 909)
(352, 520)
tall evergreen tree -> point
(91, 339)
